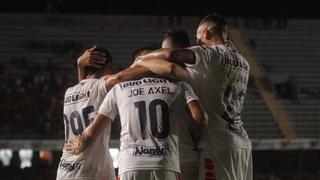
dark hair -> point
(179, 37)
(138, 51)
(107, 55)
(219, 20)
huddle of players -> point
(159, 110)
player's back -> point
(149, 110)
(220, 79)
(80, 105)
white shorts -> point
(189, 170)
(225, 164)
(150, 175)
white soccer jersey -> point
(149, 112)
(219, 77)
(81, 103)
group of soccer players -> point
(170, 130)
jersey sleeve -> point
(189, 94)
(203, 53)
(109, 106)
(102, 86)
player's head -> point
(106, 68)
(176, 38)
(141, 51)
(212, 30)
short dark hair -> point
(179, 37)
(219, 20)
(138, 51)
(91, 69)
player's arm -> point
(199, 120)
(126, 75)
(90, 57)
(163, 68)
(179, 56)
(78, 144)
(197, 112)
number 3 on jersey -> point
(162, 109)
(75, 118)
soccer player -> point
(149, 110)
(80, 106)
(189, 131)
(176, 38)
(219, 75)
(141, 51)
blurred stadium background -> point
(41, 40)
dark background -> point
(269, 9)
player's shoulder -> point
(206, 51)
(199, 48)
(85, 83)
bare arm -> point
(78, 144)
(174, 55)
(163, 68)
(199, 122)
(197, 112)
(126, 75)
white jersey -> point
(81, 103)
(149, 112)
(219, 77)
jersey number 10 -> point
(163, 109)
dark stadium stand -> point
(291, 58)
(55, 46)
(39, 56)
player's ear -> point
(207, 34)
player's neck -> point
(91, 75)
(215, 42)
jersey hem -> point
(148, 168)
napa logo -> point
(150, 151)
(69, 166)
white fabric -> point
(150, 175)
(149, 111)
(226, 164)
(219, 77)
(80, 105)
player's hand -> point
(91, 57)
(73, 145)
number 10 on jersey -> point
(156, 106)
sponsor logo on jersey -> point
(76, 97)
(236, 63)
(150, 151)
(143, 82)
(69, 166)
